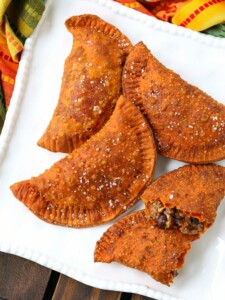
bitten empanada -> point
(91, 83)
(99, 180)
(187, 124)
(186, 198)
(135, 242)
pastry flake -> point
(135, 242)
(91, 83)
(187, 124)
(99, 180)
(186, 198)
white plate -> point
(198, 58)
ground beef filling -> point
(168, 217)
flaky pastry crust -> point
(91, 83)
(187, 124)
(99, 180)
(135, 242)
(195, 191)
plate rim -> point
(10, 122)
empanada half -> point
(186, 198)
(91, 83)
(135, 242)
(187, 124)
(99, 180)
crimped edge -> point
(132, 74)
(68, 143)
(148, 21)
(71, 216)
(93, 21)
(138, 61)
(11, 121)
(114, 233)
(121, 226)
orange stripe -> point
(8, 79)
(15, 43)
(134, 5)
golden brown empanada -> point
(135, 242)
(91, 83)
(187, 124)
(99, 180)
(186, 198)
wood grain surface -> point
(21, 279)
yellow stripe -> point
(133, 5)
(8, 79)
(191, 16)
(24, 28)
(3, 6)
(14, 44)
(209, 18)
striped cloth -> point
(18, 19)
(198, 15)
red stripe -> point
(198, 11)
(5, 56)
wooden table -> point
(21, 279)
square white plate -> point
(198, 58)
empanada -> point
(186, 198)
(135, 242)
(187, 124)
(91, 83)
(99, 180)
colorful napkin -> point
(18, 19)
(199, 15)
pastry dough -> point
(135, 242)
(187, 124)
(99, 180)
(186, 198)
(91, 83)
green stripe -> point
(217, 30)
(16, 11)
(28, 18)
(15, 30)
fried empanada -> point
(91, 83)
(186, 198)
(99, 180)
(187, 124)
(135, 242)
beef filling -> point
(168, 217)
